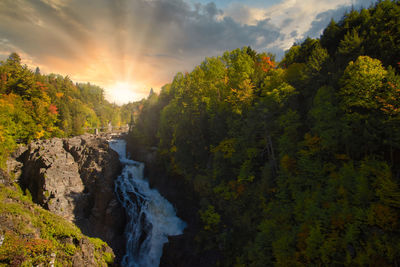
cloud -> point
(307, 18)
(293, 34)
(243, 14)
(145, 42)
(322, 19)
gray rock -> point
(74, 178)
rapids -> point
(151, 218)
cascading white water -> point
(151, 218)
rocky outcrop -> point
(74, 178)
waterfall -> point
(151, 218)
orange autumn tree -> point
(36, 106)
(267, 64)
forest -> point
(291, 163)
(35, 106)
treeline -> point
(293, 163)
(35, 106)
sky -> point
(130, 46)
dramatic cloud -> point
(300, 19)
(322, 19)
(143, 43)
(244, 14)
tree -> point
(325, 118)
(307, 151)
(331, 37)
(361, 83)
(351, 45)
(151, 92)
(14, 59)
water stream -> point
(151, 218)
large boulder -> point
(74, 178)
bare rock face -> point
(74, 178)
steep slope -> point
(32, 236)
(291, 163)
(74, 178)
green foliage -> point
(210, 218)
(290, 166)
(361, 83)
(108, 258)
(34, 236)
(323, 115)
(35, 106)
(316, 60)
(351, 44)
(295, 165)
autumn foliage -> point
(294, 163)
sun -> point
(123, 92)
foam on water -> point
(151, 218)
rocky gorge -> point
(181, 250)
(74, 178)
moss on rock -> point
(31, 236)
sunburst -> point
(124, 91)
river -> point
(151, 218)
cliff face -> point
(74, 178)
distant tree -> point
(14, 58)
(151, 92)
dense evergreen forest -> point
(292, 163)
(36, 106)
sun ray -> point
(124, 91)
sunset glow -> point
(123, 92)
(130, 46)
